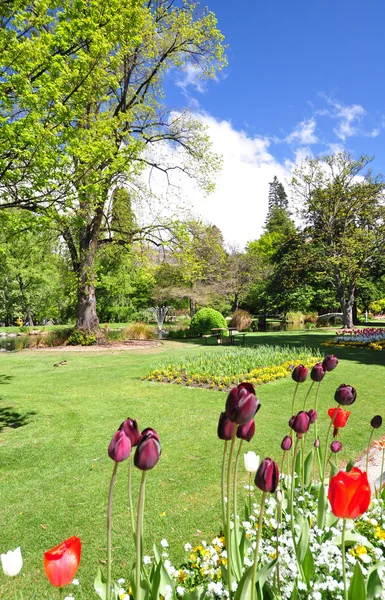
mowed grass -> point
(55, 471)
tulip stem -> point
(292, 504)
(294, 395)
(223, 485)
(139, 533)
(61, 589)
(235, 505)
(382, 469)
(130, 495)
(109, 532)
(250, 492)
(367, 453)
(228, 526)
(327, 442)
(343, 558)
(258, 541)
(308, 394)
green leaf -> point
(351, 538)
(333, 468)
(236, 563)
(350, 465)
(157, 555)
(374, 586)
(160, 581)
(303, 542)
(100, 584)
(357, 585)
(197, 594)
(262, 575)
(308, 467)
(322, 507)
(308, 566)
(295, 591)
(244, 586)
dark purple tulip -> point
(345, 395)
(267, 476)
(120, 447)
(131, 429)
(225, 427)
(312, 414)
(330, 362)
(318, 372)
(316, 443)
(286, 443)
(148, 450)
(246, 431)
(376, 422)
(300, 422)
(241, 403)
(336, 446)
(299, 373)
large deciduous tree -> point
(342, 204)
(82, 113)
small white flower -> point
(147, 560)
(12, 562)
(76, 582)
(180, 590)
(121, 580)
(187, 547)
(164, 543)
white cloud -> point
(191, 76)
(303, 133)
(238, 206)
(348, 115)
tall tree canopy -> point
(278, 220)
(82, 113)
(342, 204)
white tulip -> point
(12, 562)
(252, 461)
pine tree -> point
(278, 218)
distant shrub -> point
(205, 320)
(241, 319)
(81, 337)
(179, 334)
(139, 331)
(377, 307)
(311, 318)
(309, 325)
(295, 317)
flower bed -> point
(221, 369)
(304, 540)
(370, 337)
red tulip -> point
(349, 494)
(131, 429)
(148, 450)
(61, 563)
(120, 447)
(339, 417)
(241, 403)
(246, 431)
(225, 427)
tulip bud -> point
(376, 422)
(267, 476)
(336, 446)
(299, 373)
(12, 562)
(286, 443)
(312, 414)
(225, 427)
(241, 403)
(246, 431)
(318, 372)
(279, 496)
(131, 429)
(345, 395)
(330, 362)
(120, 447)
(252, 461)
(300, 422)
(316, 443)
(148, 450)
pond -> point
(278, 326)
(10, 344)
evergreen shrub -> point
(205, 320)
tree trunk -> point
(192, 307)
(356, 320)
(347, 306)
(87, 318)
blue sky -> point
(303, 78)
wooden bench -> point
(235, 335)
(212, 335)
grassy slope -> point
(55, 470)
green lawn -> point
(55, 470)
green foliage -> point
(81, 337)
(241, 319)
(205, 320)
(377, 307)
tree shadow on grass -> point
(5, 378)
(9, 417)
